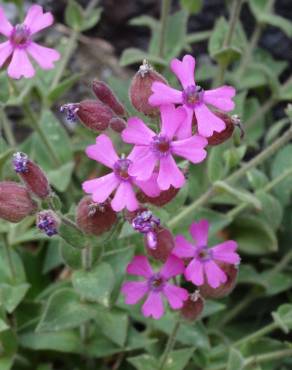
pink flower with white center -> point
(20, 43)
(119, 180)
(203, 264)
(194, 99)
(155, 285)
(160, 148)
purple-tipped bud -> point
(93, 218)
(118, 124)
(163, 246)
(104, 93)
(140, 89)
(32, 175)
(48, 222)
(163, 198)
(71, 110)
(193, 307)
(224, 289)
(145, 222)
(15, 202)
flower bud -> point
(15, 202)
(118, 124)
(224, 289)
(231, 122)
(164, 244)
(140, 89)
(193, 306)
(104, 93)
(32, 175)
(93, 218)
(165, 197)
(48, 222)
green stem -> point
(9, 258)
(257, 334)
(165, 7)
(267, 357)
(169, 345)
(7, 128)
(237, 175)
(87, 258)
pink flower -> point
(160, 148)
(155, 285)
(101, 188)
(20, 43)
(203, 264)
(194, 99)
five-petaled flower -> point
(120, 179)
(155, 285)
(20, 43)
(203, 264)
(160, 148)
(194, 99)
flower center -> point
(156, 283)
(145, 222)
(20, 35)
(161, 145)
(193, 95)
(121, 168)
(204, 253)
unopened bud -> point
(15, 202)
(32, 175)
(118, 124)
(48, 222)
(224, 289)
(231, 122)
(146, 223)
(164, 197)
(93, 218)
(164, 244)
(193, 306)
(140, 89)
(104, 93)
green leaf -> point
(11, 296)
(3, 325)
(72, 235)
(272, 210)
(253, 235)
(95, 285)
(285, 93)
(74, 15)
(153, 25)
(257, 179)
(283, 317)
(235, 360)
(71, 256)
(233, 156)
(62, 88)
(175, 35)
(64, 310)
(134, 55)
(192, 6)
(215, 166)
(277, 21)
(114, 325)
(282, 162)
(4, 91)
(275, 130)
(60, 178)
(144, 362)
(91, 19)
(255, 132)
(177, 360)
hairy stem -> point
(165, 7)
(9, 258)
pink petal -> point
(184, 70)
(225, 252)
(5, 51)
(103, 151)
(124, 198)
(185, 128)
(5, 26)
(153, 306)
(45, 57)
(183, 248)
(208, 122)
(20, 65)
(169, 174)
(221, 98)
(191, 148)
(163, 94)
(134, 291)
(172, 267)
(171, 119)
(199, 231)
(195, 273)
(140, 266)
(102, 187)
(36, 20)
(137, 132)
(149, 187)
(143, 167)
(175, 296)
(215, 276)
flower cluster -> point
(188, 124)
